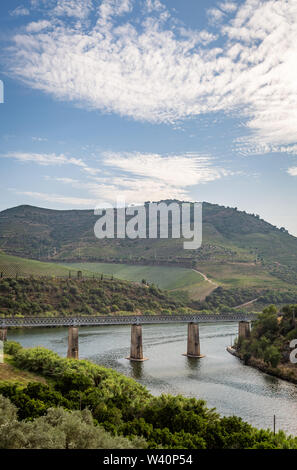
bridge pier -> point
(3, 334)
(136, 350)
(193, 349)
(72, 352)
(244, 329)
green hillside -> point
(67, 297)
(14, 266)
(164, 277)
(238, 249)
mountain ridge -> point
(233, 239)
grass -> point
(9, 373)
(27, 266)
(169, 278)
(165, 277)
(241, 275)
(12, 265)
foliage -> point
(57, 429)
(270, 336)
(125, 414)
(52, 297)
(226, 299)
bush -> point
(12, 347)
(120, 405)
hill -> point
(67, 297)
(14, 266)
(238, 249)
(165, 277)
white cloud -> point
(147, 176)
(292, 171)
(139, 177)
(66, 180)
(228, 7)
(174, 170)
(45, 159)
(75, 8)
(39, 139)
(92, 171)
(20, 11)
(154, 5)
(109, 9)
(59, 199)
(215, 15)
(37, 26)
(152, 71)
(136, 191)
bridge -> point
(136, 322)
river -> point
(219, 378)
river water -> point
(219, 378)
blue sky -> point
(150, 99)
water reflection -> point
(219, 378)
(136, 369)
(193, 364)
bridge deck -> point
(124, 320)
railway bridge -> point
(136, 322)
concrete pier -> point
(72, 352)
(3, 334)
(193, 349)
(244, 329)
(136, 350)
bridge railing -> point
(121, 320)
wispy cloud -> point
(229, 7)
(39, 139)
(37, 26)
(176, 170)
(67, 180)
(145, 176)
(139, 177)
(74, 8)
(20, 11)
(151, 70)
(59, 199)
(45, 159)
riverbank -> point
(226, 384)
(122, 409)
(285, 372)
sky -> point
(149, 100)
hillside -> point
(14, 266)
(55, 297)
(165, 277)
(238, 249)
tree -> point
(58, 429)
(272, 355)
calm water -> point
(219, 378)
